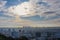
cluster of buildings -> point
(32, 33)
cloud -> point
(2, 4)
(44, 8)
(24, 9)
(36, 12)
(47, 8)
(14, 24)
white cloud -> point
(2, 4)
(23, 9)
(37, 9)
(47, 8)
(30, 8)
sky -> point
(34, 13)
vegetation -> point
(3, 37)
(23, 38)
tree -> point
(23, 38)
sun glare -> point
(23, 9)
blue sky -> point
(14, 2)
(38, 11)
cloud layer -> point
(44, 8)
(38, 12)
